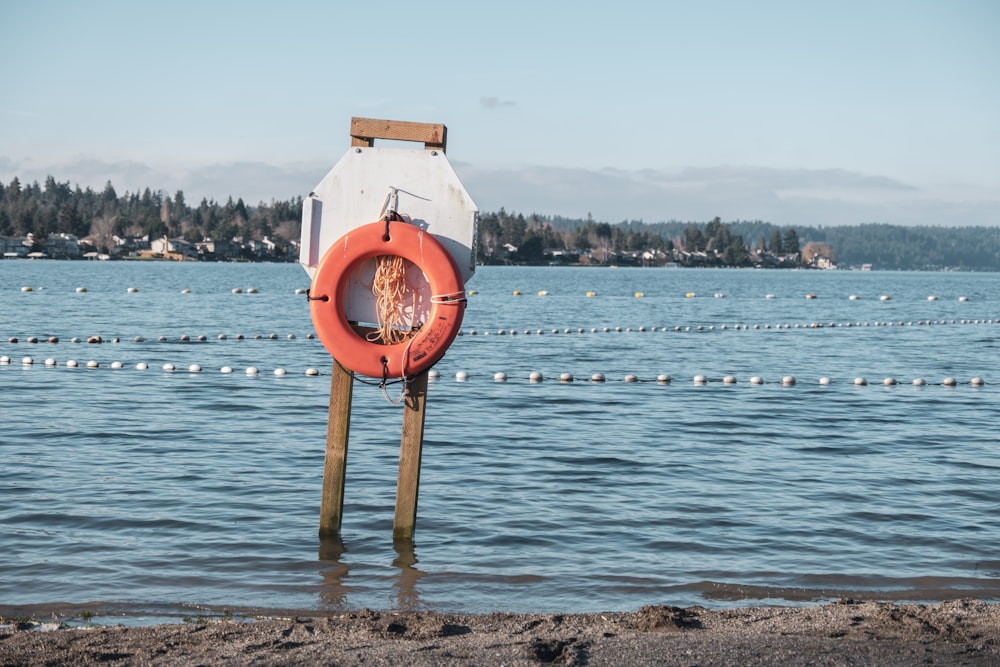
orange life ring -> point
(330, 282)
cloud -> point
(494, 103)
(254, 182)
(796, 197)
(810, 197)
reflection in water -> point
(406, 585)
(335, 591)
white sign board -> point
(420, 182)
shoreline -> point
(849, 632)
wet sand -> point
(963, 632)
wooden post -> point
(410, 449)
(364, 132)
(335, 466)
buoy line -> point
(183, 338)
(533, 377)
(29, 362)
(116, 368)
(537, 377)
(702, 328)
(472, 332)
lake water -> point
(148, 495)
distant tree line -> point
(55, 208)
(505, 237)
(533, 239)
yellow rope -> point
(389, 287)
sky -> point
(798, 112)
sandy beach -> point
(959, 632)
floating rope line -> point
(532, 378)
(457, 297)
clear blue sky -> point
(796, 112)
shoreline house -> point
(165, 246)
(14, 247)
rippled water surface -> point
(151, 493)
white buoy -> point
(889, 382)
(433, 375)
(963, 298)
(977, 382)
(252, 370)
(461, 376)
(116, 365)
(132, 290)
(141, 366)
(788, 381)
(185, 291)
(543, 293)
(81, 290)
(597, 377)
(663, 378)
(312, 371)
(280, 372)
(27, 361)
(932, 298)
(885, 297)
(499, 376)
(290, 337)
(631, 378)
(4, 359)
(720, 295)
(92, 364)
(71, 363)
(301, 290)
(168, 367)
(237, 290)
(251, 290)
(919, 382)
(729, 379)
(226, 370)
(194, 368)
(565, 377)
(756, 379)
(535, 376)
(768, 296)
(48, 362)
(824, 381)
(860, 382)
(26, 288)
(700, 379)
(74, 339)
(949, 382)
(854, 297)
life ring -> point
(328, 291)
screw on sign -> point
(387, 238)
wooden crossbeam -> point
(364, 132)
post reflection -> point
(406, 584)
(334, 590)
